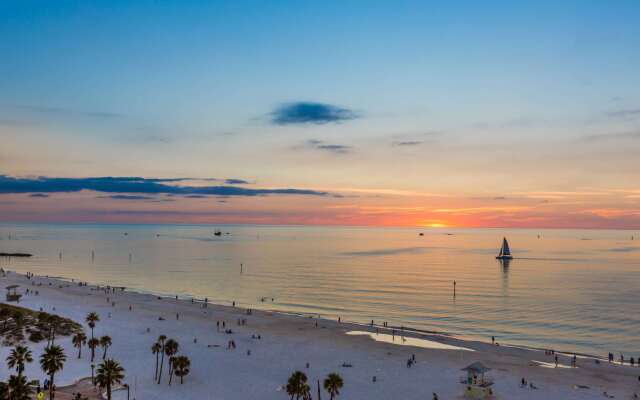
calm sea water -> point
(573, 290)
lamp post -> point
(127, 386)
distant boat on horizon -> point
(505, 253)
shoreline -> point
(261, 367)
(407, 330)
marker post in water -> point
(454, 288)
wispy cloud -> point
(628, 113)
(310, 113)
(61, 111)
(328, 147)
(612, 136)
(146, 139)
(127, 197)
(406, 142)
(135, 185)
(232, 181)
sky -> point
(378, 113)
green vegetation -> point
(332, 384)
(297, 386)
(181, 367)
(52, 361)
(18, 323)
(109, 373)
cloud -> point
(406, 143)
(629, 113)
(68, 112)
(134, 185)
(332, 148)
(310, 113)
(150, 139)
(232, 181)
(38, 195)
(127, 197)
(612, 136)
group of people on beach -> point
(632, 361)
(411, 361)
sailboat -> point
(505, 253)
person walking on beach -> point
(556, 358)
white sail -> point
(504, 251)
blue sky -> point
(190, 89)
(235, 60)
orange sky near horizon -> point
(445, 115)
(612, 209)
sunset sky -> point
(383, 113)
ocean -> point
(570, 290)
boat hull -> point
(504, 257)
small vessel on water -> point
(505, 253)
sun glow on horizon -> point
(434, 224)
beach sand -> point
(288, 343)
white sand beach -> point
(287, 343)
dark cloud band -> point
(310, 113)
(134, 185)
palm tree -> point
(79, 339)
(93, 343)
(91, 319)
(105, 342)
(109, 373)
(332, 384)
(18, 318)
(297, 384)
(161, 340)
(4, 388)
(52, 361)
(155, 349)
(53, 325)
(19, 389)
(4, 316)
(306, 392)
(18, 357)
(170, 349)
(181, 366)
